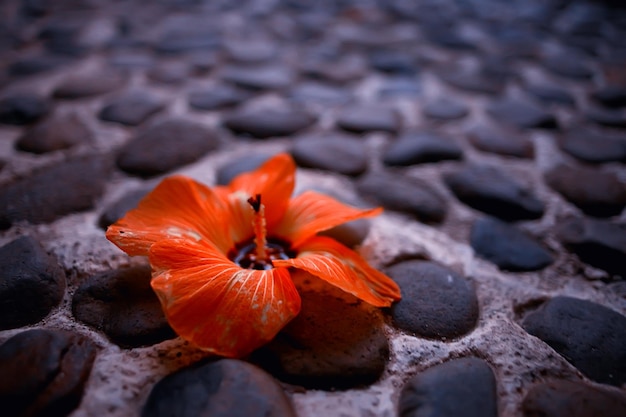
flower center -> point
(259, 252)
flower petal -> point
(274, 180)
(216, 305)
(334, 263)
(178, 207)
(310, 213)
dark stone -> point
(596, 242)
(37, 64)
(595, 192)
(166, 145)
(492, 191)
(122, 304)
(421, 147)
(44, 372)
(318, 92)
(393, 62)
(400, 87)
(551, 94)
(217, 97)
(610, 96)
(459, 387)
(592, 146)
(54, 133)
(521, 114)
(449, 311)
(507, 247)
(445, 109)
(175, 72)
(269, 77)
(448, 37)
(590, 336)
(87, 85)
(223, 388)
(496, 140)
(132, 108)
(568, 65)
(331, 344)
(250, 51)
(227, 172)
(572, 399)
(405, 194)
(265, 123)
(342, 70)
(22, 108)
(368, 118)
(120, 207)
(474, 81)
(607, 117)
(32, 283)
(187, 36)
(53, 191)
(332, 152)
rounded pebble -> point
(420, 147)
(450, 308)
(590, 336)
(332, 152)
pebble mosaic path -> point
(492, 132)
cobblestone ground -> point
(493, 133)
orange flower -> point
(221, 257)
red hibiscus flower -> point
(221, 257)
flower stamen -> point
(259, 225)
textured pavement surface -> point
(493, 133)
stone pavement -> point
(493, 133)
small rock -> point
(227, 172)
(492, 191)
(522, 114)
(224, 388)
(448, 37)
(610, 96)
(474, 81)
(368, 118)
(175, 72)
(597, 242)
(22, 109)
(44, 372)
(131, 109)
(187, 36)
(400, 87)
(55, 133)
(265, 123)
(250, 51)
(122, 304)
(393, 62)
(449, 310)
(405, 194)
(607, 117)
(507, 247)
(118, 208)
(331, 344)
(568, 65)
(592, 146)
(217, 97)
(496, 140)
(351, 234)
(551, 94)
(595, 192)
(445, 109)
(421, 147)
(318, 92)
(590, 336)
(32, 284)
(88, 85)
(53, 191)
(343, 69)
(164, 146)
(269, 77)
(459, 387)
(37, 64)
(572, 399)
(335, 152)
